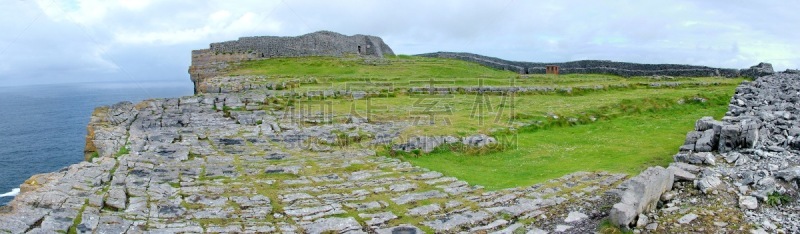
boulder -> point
(741, 135)
(701, 158)
(708, 181)
(762, 69)
(479, 140)
(707, 142)
(639, 194)
(708, 123)
(789, 174)
(680, 174)
(691, 137)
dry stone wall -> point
(606, 67)
(207, 63)
(738, 174)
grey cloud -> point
(715, 33)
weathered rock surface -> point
(224, 163)
(755, 162)
(640, 194)
(185, 165)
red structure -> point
(551, 69)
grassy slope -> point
(627, 144)
(624, 144)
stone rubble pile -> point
(732, 175)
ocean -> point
(43, 127)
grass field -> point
(625, 125)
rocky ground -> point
(739, 174)
(217, 163)
(221, 163)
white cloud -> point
(84, 38)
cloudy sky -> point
(49, 41)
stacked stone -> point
(606, 67)
(208, 63)
(322, 43)
(745, 167)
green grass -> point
(776, 199)
(625, 144)
(637, 125)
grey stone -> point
(365, 206)
(707, 142)
(379, 218)
(748, 202)
(453, 221)
(641, 221)
(680, 174)
(707, 182)
(731, 157)
(640, 194)
(688, 218)
(742, 135)
(490, 226)
(575, 216)
(562, 228)
(479, 140)
(706, 158)
(339, 225)
(424, 210)
(510, 229)
(116, 198)
(789, 174)
(411, 197)
(535, 230)
(402, 187)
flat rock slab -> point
(412, 197)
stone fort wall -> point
(606, 67)
(207, 63)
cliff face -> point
(207, 63)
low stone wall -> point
(606, 67)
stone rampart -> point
(606, 67)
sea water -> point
(43, 127)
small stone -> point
(768, 225)
(687, 218)
(680, 174)
(641, 221)
(562, 228)
(748, 202)
(575, 216)
(535, 230)
(668, 196)
(651, 226)
(402, 187)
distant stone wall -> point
(606, 67)
(209, 62)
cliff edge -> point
(208, 62)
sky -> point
(66, 41)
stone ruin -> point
(207, 63)
(605, 67)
